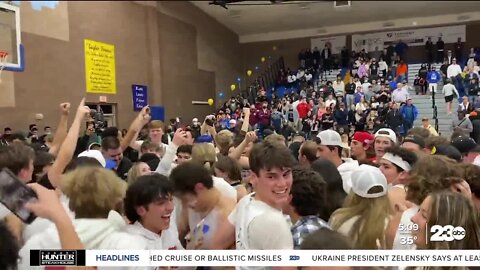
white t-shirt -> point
(453, 70)
(224, 187)
(205, 228)
(194, 218)
(259, 226)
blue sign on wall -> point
(140, 97)
(157, 113)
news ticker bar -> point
(255, 257)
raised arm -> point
(48, 206)
(246, 120)
(238, 151)
(67, 149)
(207, 129)
(130, 138)
(165, 164)
(62, 128)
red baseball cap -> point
(363, 137)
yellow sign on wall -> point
(100, 67)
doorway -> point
(109, 112)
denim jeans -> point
(393, 72)
(350, 100)
(472, 99)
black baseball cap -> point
(299, 133)
(416, 140)
(464, 144)
(447, 150)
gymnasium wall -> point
(151, 48)
(290, 48)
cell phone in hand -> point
(14, 194)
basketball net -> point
(3, 62)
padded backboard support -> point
(10, 33)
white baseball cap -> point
(330, 137)
(366, 177)
(194, 120)
(386, 132)
(96, 155)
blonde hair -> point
(134, 173)
(368, 228)
(430, 174)
(224, 139)
(93, 191)
(275, 138)
(448, 208)
(156, 124)
(205, 154)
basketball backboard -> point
(10, 33)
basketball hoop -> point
(3, 62)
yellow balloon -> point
(249, 72)
(210, 101)
(232, 87)
(263, 59)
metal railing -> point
(268, 78)
(435, 110)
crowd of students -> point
(330, 165)
(209, 185)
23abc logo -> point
(446, 233)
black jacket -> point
(394, 119)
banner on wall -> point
(412, 37)
(139, 96)
(157, 113)
(336, 43)
(100, 67)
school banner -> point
(336, 43)
(100, 67)
(412, 37)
